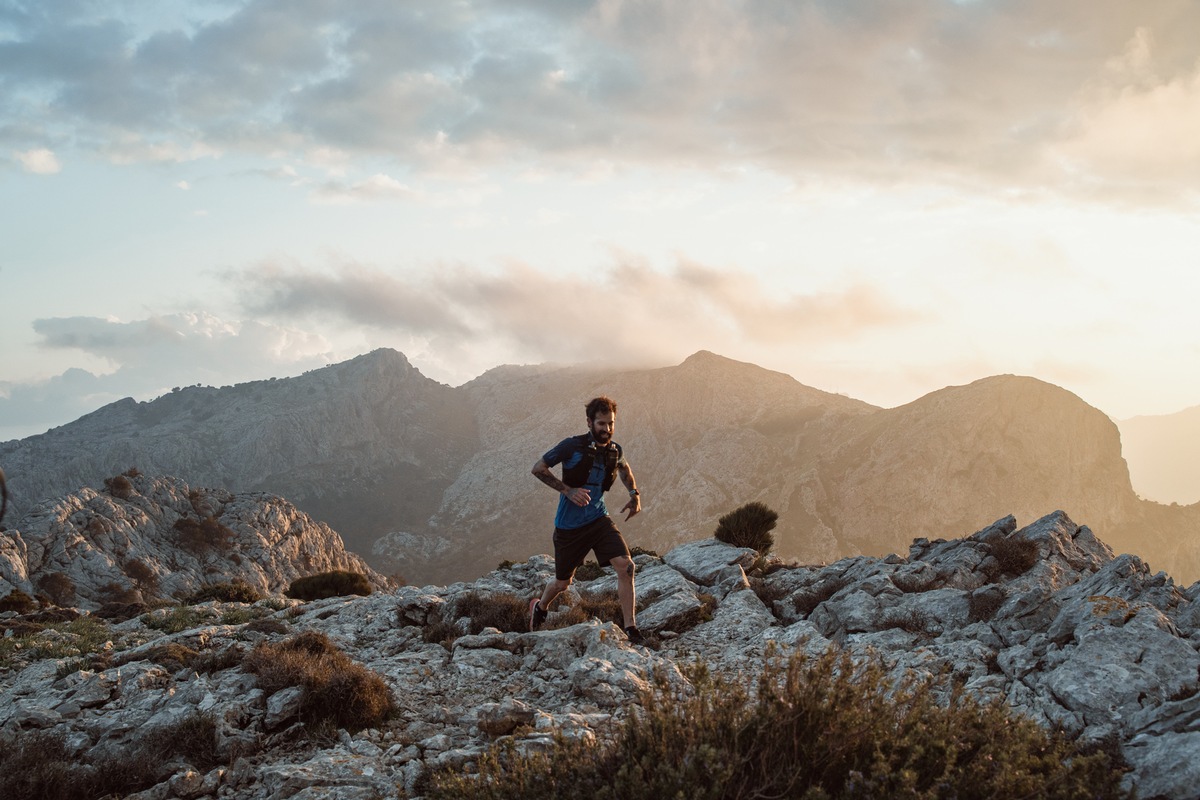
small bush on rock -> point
(17, 601)
(604, 606)
(143, 576)
(748, 526)
(502, 610)
(805, 602)
(983, 604)
(40, 765)
(1014, 555)
(589, 571)
(59, 587)
(337, 583)
(824, 729)
(202, 535)
(228, 592)
(120, 487)
(336, 690)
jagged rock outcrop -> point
(1043, 616)
(160, 538)
(433, 482)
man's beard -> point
(601, 437)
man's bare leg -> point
(553, 589)
(625, 588)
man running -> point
(590, 463)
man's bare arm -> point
(634, 506)
(577, 495)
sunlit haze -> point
(879, 199)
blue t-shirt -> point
(570, 516)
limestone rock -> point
(1094, 645)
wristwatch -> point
(634, 492)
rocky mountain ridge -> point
(433, 482)
(145, 538)
(1044, 617)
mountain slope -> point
(434, 481)
(367, 445)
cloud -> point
(625, 313)
(1136, 127)
(39, 161)
(149, 357)
(1020, 94)
(377, 187)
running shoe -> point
(537, 617)
(635, 636)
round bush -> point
(748, 526)
(337, 583)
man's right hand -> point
(578, 495)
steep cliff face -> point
(960, 456)
(163, 539)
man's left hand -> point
(634, 506)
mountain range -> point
(433, 481)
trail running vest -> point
(577, 475)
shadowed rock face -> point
(1044, 617)
(434, 482)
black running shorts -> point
(571, 546)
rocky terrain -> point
(433, 482)
(143, 538)
(1043, 616)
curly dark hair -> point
(600, 404)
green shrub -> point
(805, 602)
(439, 632)
(824, 729)
(641, 551)
(502, 610)
(59, 587)
(767, 592)
(1014, 555)
(604, 606)
(228, 592)
(172, 655)
(119, 487)
(39, 764)
(337, 583)
(142, 575)
(748, 526)
(17, 601)
(589, 571)
(982, 604)
(174, 620)
(204, 534)
(911, 621)
(210, 661)
(113, 592)
(336, 690)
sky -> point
(877, 197)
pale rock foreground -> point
(1090, 643)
